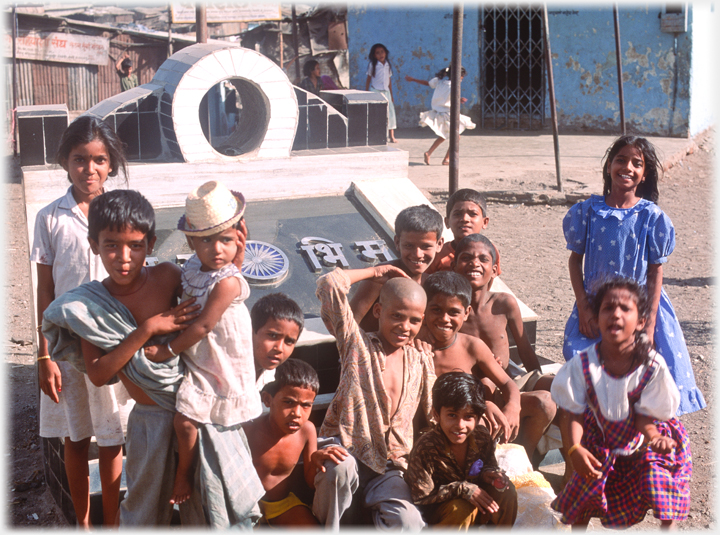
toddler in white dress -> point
(219, 385)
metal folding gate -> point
(512, 85)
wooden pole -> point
(296, 45)
(551, 87)
(456, 67)
(15, 84)
(201, 31)
(170, 47)
(618, 59)
(280, 43)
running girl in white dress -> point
(438, 118)
(72, 407)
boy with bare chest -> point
(490, 316)
(448, 307)
(384, 381)
(278, 439)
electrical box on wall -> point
(673, 18)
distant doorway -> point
(512, 85)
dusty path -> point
(534, 266)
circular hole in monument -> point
(234, 115)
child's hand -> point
(423, 346)
(662, 444)
(587, 324)
(585, 463)
(173, 320)
(463, 100)
(496, 478)
(50, 379)
(385, 272)
(336, 454)
(242, 233)
(483, 501)
(495, 420)
(409, 78)
(157, 353)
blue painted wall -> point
(419, 39)
(585, 70)
(584, 66)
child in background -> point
(418, 238)
(89, 151)
(625, 233)
(312, 81)
(379, 80)
(466, 211)
(491, 314)
(448, 306)
(619, 400)
(277, 322)
(452, 471)
(219, 385)
(279, 438)
(438, 118)
(124, 68)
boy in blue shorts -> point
(102, 328)
(418, 238)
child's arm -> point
(390, 88)
(655, 441)
(571, 428)
(409, 78)
(517, 328)
(490, 368)
(585, 315)
(654, 289)
(367, 82)
(365, 296)
(314, 459)
(379, 274)
(101, 366)
(218, 301)
(49, 378)
(242, 233)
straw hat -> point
(211, 208)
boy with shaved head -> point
(383, 381)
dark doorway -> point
(512, 83)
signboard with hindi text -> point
(60, 47)
(227, 12)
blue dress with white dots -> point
(624, 242)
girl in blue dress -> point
(625, 233)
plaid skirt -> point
(631, 485)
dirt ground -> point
(534, 264)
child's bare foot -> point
(426, 157)
(182, 488)
(446, 161)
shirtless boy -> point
(121, 227)
(384, 380)
(491, 313)
(278, 439)
(448, 306)
(418, 238)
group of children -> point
(425, 390)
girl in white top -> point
(619, 401)
(219, 385)
(72, 407)
(438, 118)
(379, 80)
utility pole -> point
(456, 68)
(201, 31)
